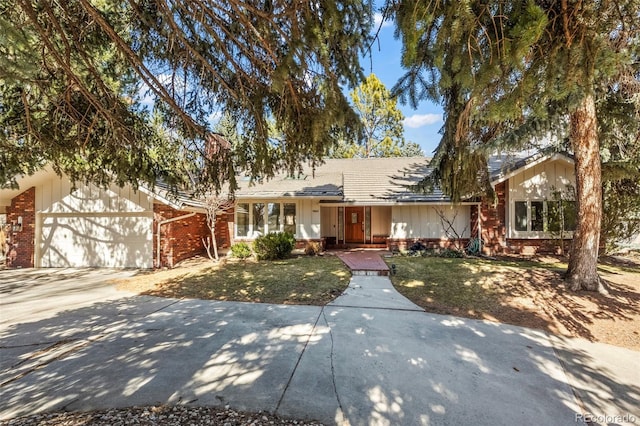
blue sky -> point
(422, 124)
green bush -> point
(241, 250)
(274, 245)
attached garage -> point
(52, 223)
(113, 240)
(89, 226)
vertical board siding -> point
(329, 221)
(422, 221)
(381, 221)
(56, 196)
(537, 183)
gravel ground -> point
(156, 415)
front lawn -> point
(299, 280)
(526, 293)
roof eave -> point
(543, 158)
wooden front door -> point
(354, 224)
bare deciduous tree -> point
(215, 204)
(448, 225)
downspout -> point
(164, 222)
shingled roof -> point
(376, 180)
(367, 181)
(352, 180)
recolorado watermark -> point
(606, 418)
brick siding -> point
(493, 219)
(182, 239)
(22, 249)
(529, 247)
(403, 244)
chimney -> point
(215, 144)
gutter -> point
(164, 222)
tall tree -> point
(508, 72)
(76, 79)
(383, 131)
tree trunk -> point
(582, 273)
(213, 236)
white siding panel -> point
(309, 219)
(423, 221)
(328, 220)
(315, 218)
(398, 222)
(104, 240)
(56, 196)
(538, 182)
(380, 220)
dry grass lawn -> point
(299, 280)
(527, 293)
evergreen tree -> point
(76, 79)
(508, 72)
(383, 131)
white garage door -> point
(112, 240)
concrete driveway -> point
(31, 294)
(369, 358)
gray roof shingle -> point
(363, 180)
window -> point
(544, 216)
(273, 220)
(537, 215)
(253, 219)
(521, 216)
(561, 215)
(290, 218)
(258, 218)
(242, 220)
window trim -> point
(529, 234)
(252, 233)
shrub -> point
(313, 248)
(241, 250)
(274, 245)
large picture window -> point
(255, 219)
(544, 216)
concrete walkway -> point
(364, 262)
(357, 361)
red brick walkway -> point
(363, 260)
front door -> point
(354, 225)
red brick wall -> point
(432, 243)
(182, 239)
(223, 231)
(22, 250)
(493, 219)
(530, 247)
